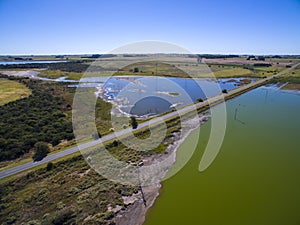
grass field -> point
(188, 70)
(234, 72)
(292, 78)
(69, 191)
(11, 91)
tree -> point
(115, 143)
(134, 123)
(49, 166)
(41, 149)
(200, 100)
(224, 91)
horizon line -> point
(158, 53)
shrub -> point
(134, 123)
(41, 149)
(49, 166)
(224, 91)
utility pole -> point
(235, 114)
(140, 187)
(236, 109)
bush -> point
(41, 149)
(262, 64)
(49, 166)
(134, 123)
(64, 216)
(115, 143)
(224, 91)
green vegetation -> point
(43, 116)
(178, 70)
(152, 69)
(73, 66)
(134, 123)
(30, 120)
(227, 71)
(233, 72)
(41, 149)
(103, 116)
(68, 192)
(54, 74)
(292, 78)
(262, 64)
(293, 82)
(11, 91)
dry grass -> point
(12, 91)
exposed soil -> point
(135, 212)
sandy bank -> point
(135, 212)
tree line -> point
(77, 66)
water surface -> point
(142, 96)
(255, 178)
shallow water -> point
(255, 177)
(154, 95)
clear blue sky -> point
(97, 26)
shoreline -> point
(135, 212)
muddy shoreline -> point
(135, 211)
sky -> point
(30, 27)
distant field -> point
(162, 65)
(233, 72)
(152, 69)
(11, 91)
(192, 70)
(186, 70)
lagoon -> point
(255, 177)
(30, 62)
(146, 96)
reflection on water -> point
(154, 105)
(147, 96)
(142, 96)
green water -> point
(255, 178)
